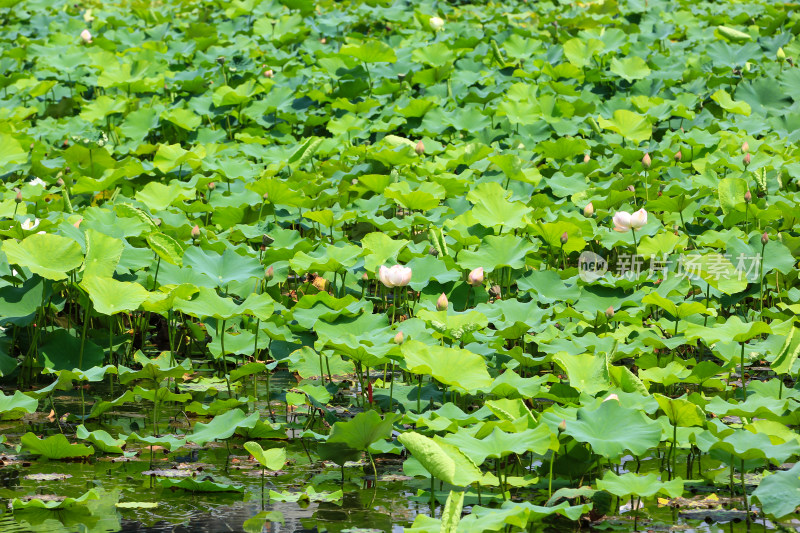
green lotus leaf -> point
(630, 68)
(442, 460)
(371, 51)
(50, 256)
(193, 485)
(612, 429)
(586, 372)
(167, 248)
(779, 493)
(110, 296)
(452, 366)
(16, 405)
(500, 443)
(731, 193)
(166, 441)
(102, 254)
(497, 251)
(11, 151)
(101, 439)
(492, 209)
(630, 125)
(642, 486)
(680, 411)
(728, 104)
(272, 459)
(222, 426)
(66, 503)
(61, 350)
(363, 430)
(580, 52)
(54, 447)
(156, 369)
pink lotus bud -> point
(564, 238)
(562, 427)
(646, 161)
(678, 155)
(77, 224)
(420, 148)
(399, 338)
(631, 188)
(747, 197)
(764, 238)
(746, 159)
(475, 277)
(442, 303)
(18, 197)
(195, 232)
(270, 273)
(212, 186)
(323, 41)
(586, 158)
(86, 36)
(268, 73)
(745, 147)
(365, 276)
(588, 211)
(610, 311)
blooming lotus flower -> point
(475, 278)
(436, 23)
(395, 276)
(38, 181)
(626, 221)
(30, 224)
(86, 36)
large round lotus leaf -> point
(15, 406)
(779, 493)
(497, 251)
(222, 426)
(442, 460)
(646, 486)
(37, 503)
(50, 256)
(272, 459)
(54, 447)
(612, 429)
(451, 366)
(680, 411)
(110, 296)
(363, 430)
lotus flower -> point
(86, 36)
(475, 277)
(588, 211)
(626, 222)
(442, 303)
(30, 224)
(436, 23)
(396, 276)
(399, 338)
(420, 148)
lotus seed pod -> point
(764, 238)
(588, 211)
(564, 238)
(399, 338)
(433, 251)
(745, 147)
(586, 158)
(195, 232)
(265, 240)
(610, 311)
(221, 60)
(646, 161)
(60, 182)
(442, 303)
(747, 197)
(419, 148)
(475, 277)
(678, 155)
(270, 273)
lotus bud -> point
(764, 238)
(323, 41)
(586, 158)
(18, 197)
(678, 155)
(646, 161)
(211, 186)
(562, 427)
(269, 73)
(475, 277)
(748, 197)
(433, 251)
(86, 36)
(442, 303)
(611, 397)
(746, 159)
(65, 143)
(780, 54)
(195, 232)
(399, 338)
(564, 238)
(420, 148)
(364, 277)
(610, 311)
(779, 236)
(77, 223)
(631, 188)
(745, 147)
(60, 182)
(270, 273)
(588, 211)
(67, 170)
(436, 23)
(354, 181)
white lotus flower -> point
(396, 276)
(38, 181)
(86, 35)
(626, 221)
(436, 23)
(30, 224)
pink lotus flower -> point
(86, 35)
(396, 276)
(626, 222)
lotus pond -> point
(383, 265)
